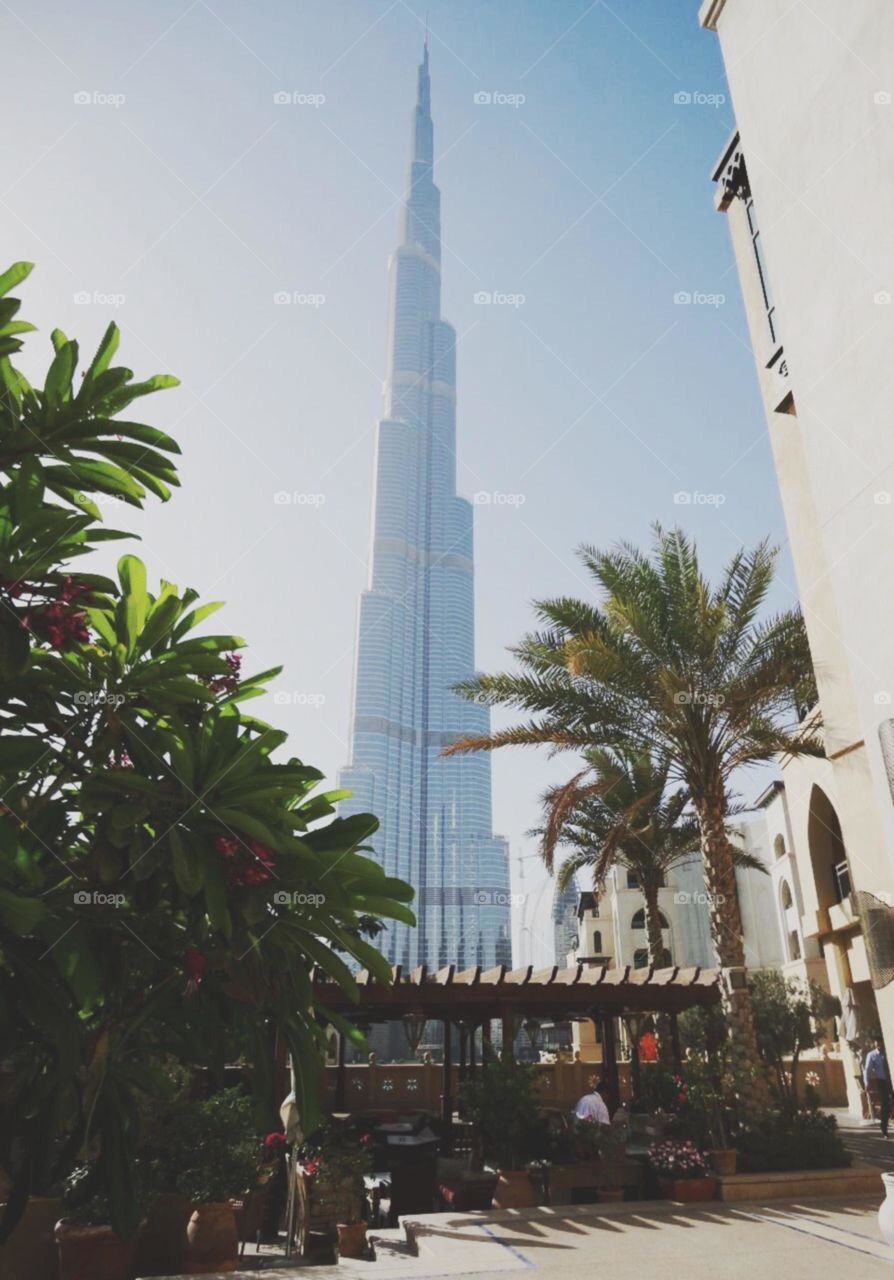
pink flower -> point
(226, 846)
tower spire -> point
(422, 124)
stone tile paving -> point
(803, 1241)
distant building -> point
(612, 923)
(565, 921)
(416, 626)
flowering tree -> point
(166, 885)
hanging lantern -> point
(414, 1028)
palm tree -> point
(618, 812)
(668, 663)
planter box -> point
(723, 1161)
(859, 1180)
(562, 1180)
(688, 1190)
(30, 1252)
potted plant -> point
(89, 1248)
(682, 1171)
(333, 1163)
(161, 1243)
(575, 1155)
(700, 1115)
(216, 1159)
(502, 1102)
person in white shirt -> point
(592, 1105)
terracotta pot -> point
(30, 1253)
(688, 1190)
(212, 1239)
(161, 1242)
(351, 1239)
(514, 1190)
(92, 1253)
(610, 1195)
(723, 1161)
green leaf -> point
(14, 275)
(17, 754)
(15, 646)
(188, 869)
(216, 900)
(18, 914)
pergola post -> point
(508, 1024)
(472, 1030)
(446, 1086)
(633, 1036)
(676, 1051)
(609, 1054)
(486, 1048)
(340, 1074)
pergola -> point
(469, 998)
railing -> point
(411, 1086)
(407, 1087)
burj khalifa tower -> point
(416, 625)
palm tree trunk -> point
(748, 1069)
(659, 958)
(657, 953)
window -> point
(639, 919)
(641, 958)
(597, 943)
(786, 896)
(779, 847)
(794, 946)
(632, 881)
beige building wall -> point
(813, 93)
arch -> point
(597, 943)
(828, 857)
(785, 895)
(638, 920)
(779, 847)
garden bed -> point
(859, 1180)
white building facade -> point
(807, 185)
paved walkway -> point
(630, 1242)
(865, 1140)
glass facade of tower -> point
(415, 636)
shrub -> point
(209, 1150)
(505, 1109)
(808, 1141)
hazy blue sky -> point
(183, 209)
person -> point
(592, 1105)
(877, 1079)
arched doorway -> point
(828, 857)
